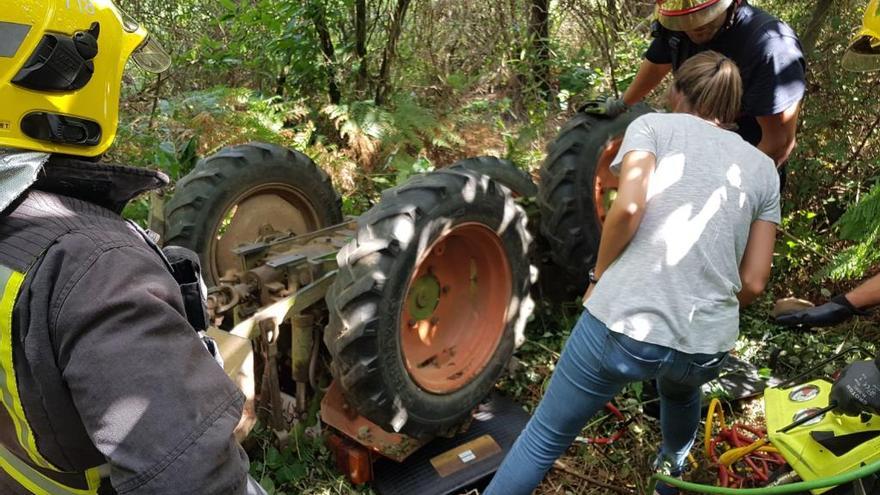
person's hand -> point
(606, 107)
(858, 389)
(837, 310)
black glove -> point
(838, 310)
(606, 107)
(858, 389)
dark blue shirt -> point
(767, 52)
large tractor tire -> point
(431, 299)
(242, 192)
(576, 189)
(501, 171)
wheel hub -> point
(425, 297)
(455, 309)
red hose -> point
(753, 470)
(621, 426)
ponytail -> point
(711, 85)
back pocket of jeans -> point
(631, 360)
(705, 370)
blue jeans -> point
(595, 365)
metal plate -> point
(461, 457)
(806, 412)
(804, 393)
(501, 419)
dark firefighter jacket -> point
(107, 369)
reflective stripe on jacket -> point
(22, 460)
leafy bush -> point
(861, 226)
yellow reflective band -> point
(37, 483)
(10, 284)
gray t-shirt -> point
(675, 284)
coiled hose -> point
(801, 486)
(764, 453)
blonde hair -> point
(711, 85)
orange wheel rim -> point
(455, 308)
(605, 184)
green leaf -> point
(228, 4)
(291, 473)
(274, 460)
(256, 468)
(637, 389)
(268, 485)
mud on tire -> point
(222, 202)
(430, 259)
(571, 209)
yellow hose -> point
(707, 436)
(735, 454)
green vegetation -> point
(377, 91)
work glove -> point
(607, 106)
(858, 389)
(835, 311)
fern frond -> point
(863, 218)
(860, 224)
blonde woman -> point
(688, 242)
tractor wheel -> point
(501, 171)
(242, 192)
(431, 299)
(576, 189)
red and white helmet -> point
(686, 15)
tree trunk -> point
(328, 51)
(811, 35)
(281, 80)
(539, 34)
(360, 42)
(388, 56)
(613, 14)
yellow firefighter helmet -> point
(863, 53)
(61, 65)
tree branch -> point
(565, 469)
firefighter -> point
(766, 50)
(858, 388)
(105, 384)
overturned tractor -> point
(400, 322)
(395, 325)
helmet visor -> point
(151, 57)
(863, 55)
(128, 22)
